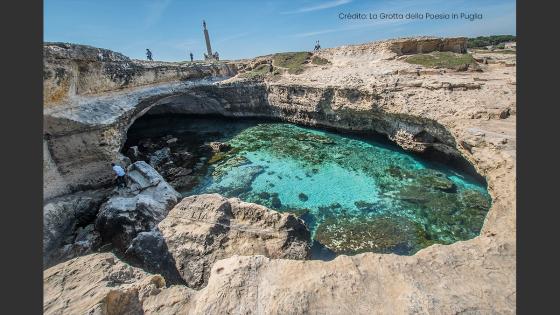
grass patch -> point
(445, 59)
(293, 61)
(259, 71)
(319, 61)
(482, 41)
(507, 52)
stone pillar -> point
(207, 38)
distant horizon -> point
(247, 29)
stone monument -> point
(209, 55)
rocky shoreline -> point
(468, 114)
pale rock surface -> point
(137, 208)
(205, 228)
(366, 88)
(101, 284)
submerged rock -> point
(364, 205)
(231, 183)
(205, 228)
(475, 199)
(434, 179)
(219, 146)
(380, 234)
(159, 157)
(138, 208)
(414, 194)
(275, 202)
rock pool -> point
(356, 194)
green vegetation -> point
(259, 71)
(319, 61)
(498, 51)
(444, 59)
(293, 61)
(483, 41)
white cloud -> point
(322, 6)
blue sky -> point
(243, 29)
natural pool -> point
(356, 194)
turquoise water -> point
(355, 194)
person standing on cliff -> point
(120, 175)
(317, 46)
(149, 54)
(192, 57)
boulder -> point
(134, 153)
(63, 216)
(102, 284)
(171, 141)
(205, 228)
(219, 146)
(143, 204)
(86, 241)
(149, 250)
(159, 157)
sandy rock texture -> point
(102, 284)
(72, 70)
(202, 229)
(367, 88)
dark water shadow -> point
(321, 252)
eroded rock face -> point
(138, 208)
(102, 284)
(205, 228)
(437, 280)
(427, 44)
(72, 69)
(63, 217)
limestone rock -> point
(143, 204)
(364, 89)
(63, 216)
(102, 284)
(406, 140)
(149, 250)
(134, 153)
(217, 146)
(159, 157)
(205, 228)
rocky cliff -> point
(72, 70)
(368, 88)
